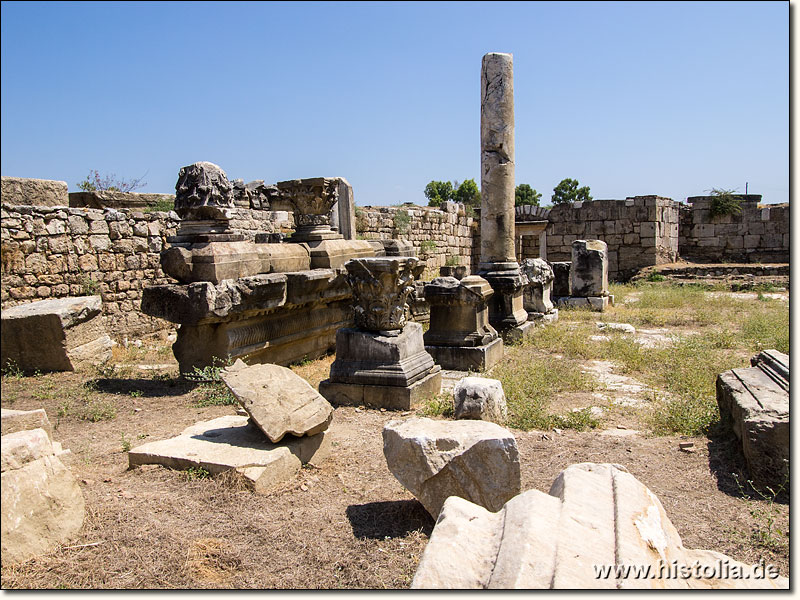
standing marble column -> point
(498, 261)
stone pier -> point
(498, 263)
(382, 361)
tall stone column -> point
(498, 261)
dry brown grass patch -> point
(211, 560)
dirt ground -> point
(347, 524)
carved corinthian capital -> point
(381, 287)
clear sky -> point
(629, 98)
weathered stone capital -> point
(203, 193)
(381, 287)
(537, 271)
(449, 290)
(313, 197)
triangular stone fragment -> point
(278, 400)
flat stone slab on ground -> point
(476, 460)
(58, 334)
(595, 516)
(278, 400)
(232, 443)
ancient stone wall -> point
(757, 234)
(639, 231)
(52, 252)
(440, 236)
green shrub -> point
(725, 202)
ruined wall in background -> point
(52, 252)
(440, 236)
(757, 234)
(639, 231)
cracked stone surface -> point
(475, 460)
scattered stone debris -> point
(595, 516)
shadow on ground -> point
(726, 461)
(149, 388)
(379, 520)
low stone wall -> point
(639, 231)
(53, 252)
(441, 237)
(757, 234)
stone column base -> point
(598, 303)
(516, 334)
(382, 396)
(543, 318)
(464, 358)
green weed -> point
(440, 405)
(193, 473)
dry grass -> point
(350, 524)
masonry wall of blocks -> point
(51, 250)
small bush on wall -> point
(725, 202)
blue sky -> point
(629, 98)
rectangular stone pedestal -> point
(516, 334)
(464, 358)
(598, 303)
(382, 396)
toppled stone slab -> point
(278, 400)
(42, 505)
(475, 460)
(754, 403)
(21, 420)
(480, 398)
(58, 334)
(233, 443)
(596, 516)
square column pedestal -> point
(381, 369)
(460, 336)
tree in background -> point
(468, 194)
(439, 191)
(525, 194)
(110, 183)
(568, 191)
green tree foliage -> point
(468, 193)
(525, 194)
(568, 191)
(725, 202)
(439, 191)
